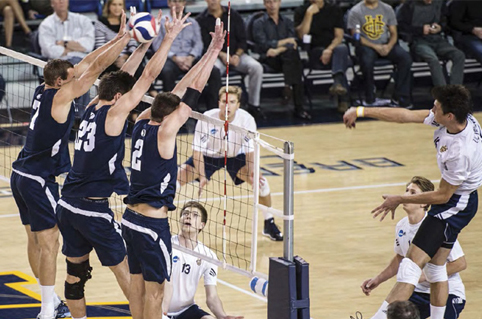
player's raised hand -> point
(177, 24)
(389, 205)
(122, 28)
(218, 35)
(368, 285)
(349, 118)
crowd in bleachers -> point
(336, 37)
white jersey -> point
(459, 156)
(187, 270)
(209, 138)
(404, 233)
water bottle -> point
(357, 34)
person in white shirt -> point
(459, 156)
(405, 231)
(188, 269)
(208, 153)
(68, 36)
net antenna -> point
(226, 127)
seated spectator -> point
(11, 10)
(465, 17)
(402, 310)
(275, 39)
(68, 36)
(186, 50)
(107, 27)
(423, 20)
(238, 61)
(324, 23)
(36, 9)
(379, 40)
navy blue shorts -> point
(457, 213)
(454, 307)
(193, 312)
(149, 249)
(212, 164)
(36, 199)
(88, 224)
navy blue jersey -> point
(46, 152)
(97, 170)
(153, 178)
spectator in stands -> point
(238, 60)
(465, 18)
(107, 27)
(423, 21)
(69, 36)
(323, 22)
(275, 39)
(36, 9)
(186, 50)
(11, 10)
(379, 40)
(402, 310)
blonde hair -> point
(424, 184)
(105, 10)
(231, 90)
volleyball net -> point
(234, 213)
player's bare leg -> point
(137, 293)
(439, 290)
(33, 251)
(153, 299)
(121, 272)
(402, 290)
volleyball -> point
(144, 27)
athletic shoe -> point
(62, 310)
(358, 315)
(271, 230)
(45, 317)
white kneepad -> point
(264, 187)
(435, 273)
(408, 272)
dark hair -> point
(115, 82)
(164, 104)
(402, 310)
(424, 184)
(198, 205)
(454, 99)
(54, 69)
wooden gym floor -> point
(340, 177)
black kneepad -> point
(83, 271)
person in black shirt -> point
(324, 23)
(238, 60)
(466, 17)
(275, 40)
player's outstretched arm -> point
(387, 114)
(391, 270)
(205, 65)
(83, 65)
(439, 196)
(131, 65)
(79, 86)
(131, 99)
(215, 304)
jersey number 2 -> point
(89, 129)
(136, 155)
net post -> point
(254, 232)
(288, 193)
